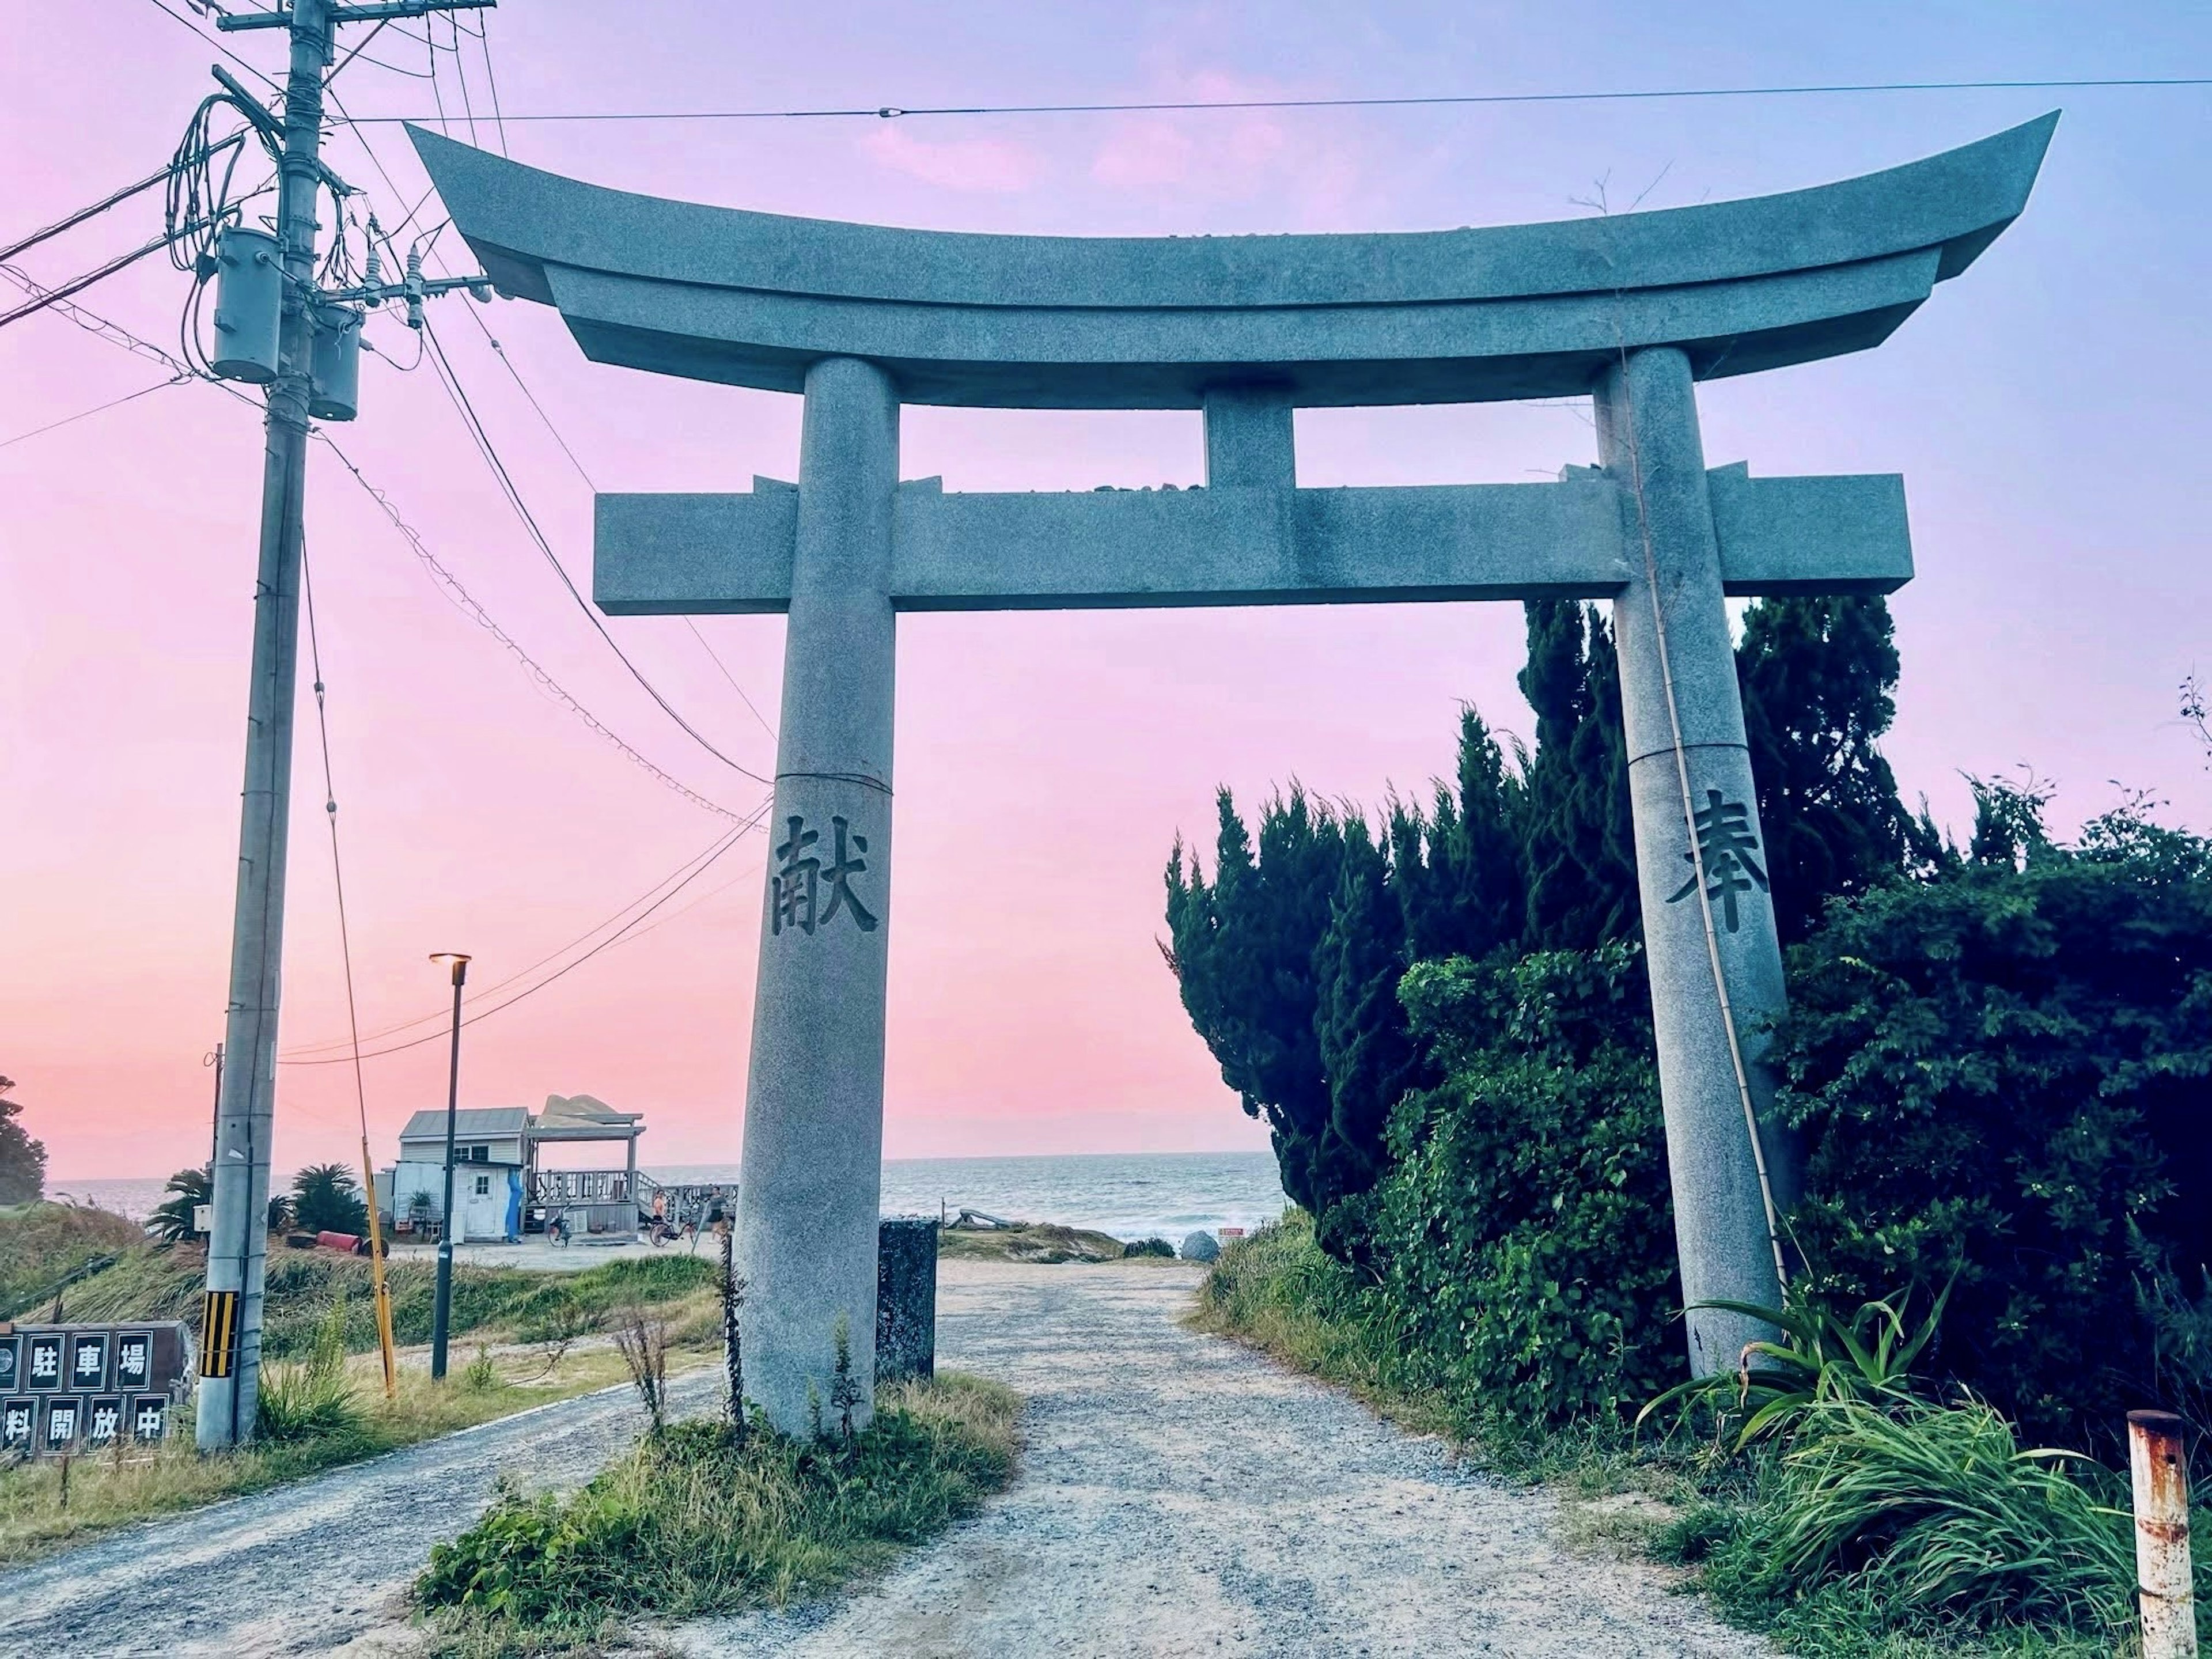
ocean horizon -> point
(1130, 1195)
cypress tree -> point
(1818, 676)
(1458, 871)
(1365, 1050)
(1578, 845)
(1242, 953)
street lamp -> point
(443, 1309)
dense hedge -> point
(1523, 1233)
(2004, 1077)
(2003, 1072)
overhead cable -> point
(507, 487)
(727, 841)
(122, 195)
(1196, 106)
(99, 273)
(443, 1011)
(113, 333)
(250, 67)
(177, 379)
(116, 335)
(467, 604)
(523, 387)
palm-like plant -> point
(171, 1221)
(1821, 1360)
(325, 1200)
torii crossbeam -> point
(1631, 310)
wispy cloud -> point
(997, 166)
(1215, 156)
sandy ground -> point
(1178, 1495)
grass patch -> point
(690, 1522)
(1911, 1531)
(1030, 1241)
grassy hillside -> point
(39, 1244)
(43, 1244)
(1028, 1242)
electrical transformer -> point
(334, 394)
(249, 305)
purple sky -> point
(2042, 409)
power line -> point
(337, 866)
(483, 33)
(892, 112)
(582, 938)
(270, 81)
(522, 385)
(468, 605)
(97, 409)
(113, 333)
(76, 284)
(727, 842)
(72, 220)
(506, 481)
(116, 335)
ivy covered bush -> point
(1523, 1234)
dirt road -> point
(1178, 1496)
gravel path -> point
(1178, 1495)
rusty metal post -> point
(2159, 1465)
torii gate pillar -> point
(809, 1184)
(1715, 959)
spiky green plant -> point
(171, 1221)
(314, 1398)
(1937, 1512)
(1820, 1360)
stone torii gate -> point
(1632, 311)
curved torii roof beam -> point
(1070, 322)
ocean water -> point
(1129, 1194)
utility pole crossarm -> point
(235, 22)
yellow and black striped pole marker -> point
(219, 1334)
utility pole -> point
(441, 1310)
(230, 1342)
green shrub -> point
(313, 1399)
(691, 1521)
(1148, 1247)
(1523, 1236)
(2004, 1078)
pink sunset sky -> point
(2047, 410)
